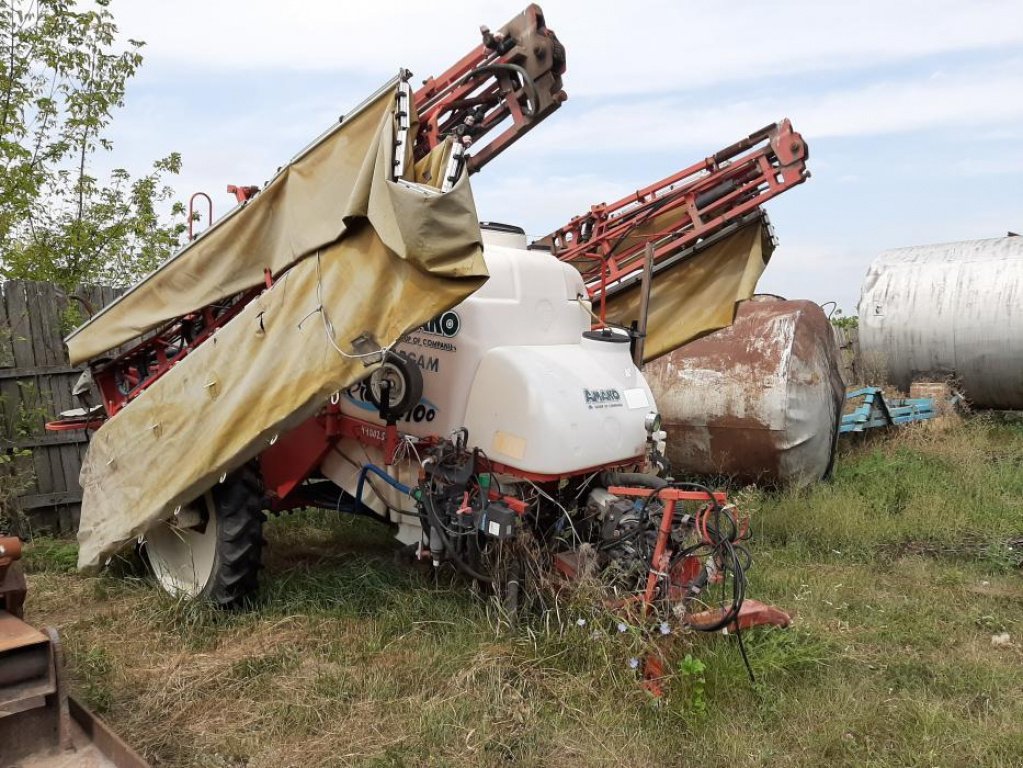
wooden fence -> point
(35, 385)
(848, 342)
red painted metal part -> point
(752, 613)
(71, 424)
(294, 456)
(673, 494)
(606, 244)
(242, 194)
(122, 380)
(653, 673)
(291, 459)
(193, 215)
(538, 477)
(12, 581)
(661, 557)
(518, 506)
(515, 74)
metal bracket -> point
(368, 349)
(403, 120)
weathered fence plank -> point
(26, 403)
(35, 386)
(847, 341)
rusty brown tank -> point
(757, 402)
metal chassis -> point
(294, 456)
(877, 411)
(752, 612)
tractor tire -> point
(220, 560)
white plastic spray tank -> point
(517, 366)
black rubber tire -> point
(239, 558)
(413, 378)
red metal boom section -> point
(514, 73)
(606, 244)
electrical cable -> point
(568, 517)
(441, 524)
(490, 471)
(328, 326)
(723, 548)
(725, 545)
(745, 658)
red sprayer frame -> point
(751, 613)
(680, 210)
(515, 73)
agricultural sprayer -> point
(351, 338)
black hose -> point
(528, 84)
(726, 549)
(435, 522)
(738, 591)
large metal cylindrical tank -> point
(759, 401)
(932, 312)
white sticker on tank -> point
(494, 529)
(636, 398)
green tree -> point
(62, 76)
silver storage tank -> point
(931, 312)
(759, 401)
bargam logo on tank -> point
(446, 324)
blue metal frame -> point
(877, 412)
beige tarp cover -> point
(303, 208)
(386, 258)
(698, 295)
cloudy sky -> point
(913, 111)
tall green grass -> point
(952, 490)
(898, 574)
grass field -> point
(900, 572)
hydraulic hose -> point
(528, 84)
(366, 468)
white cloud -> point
(972, 97)
(974, 164)
(647, 80)
(539, 206)
(819, 270)
(613, 47)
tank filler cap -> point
(504, 235)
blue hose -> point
(384, 476)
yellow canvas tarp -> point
(399, 256)
(303, 208)
(698, 295)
